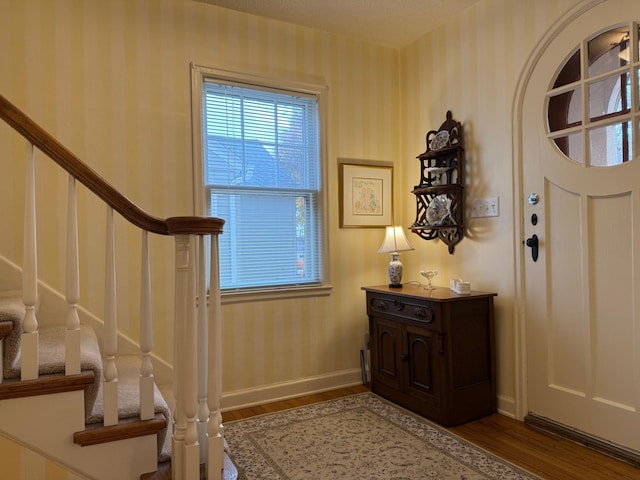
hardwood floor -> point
(545, 455)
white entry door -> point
(582, 296)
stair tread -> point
(129, 392)
(52, 378)
(126, 428)
(6, 326)
(45, 384)
(129, 401)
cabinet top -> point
(438, 294)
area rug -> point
(357, 437)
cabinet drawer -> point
(425, 313)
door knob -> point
(532, 242)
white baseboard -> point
(506, 405)
(285, 390)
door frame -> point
(520, 314)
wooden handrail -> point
(51, 147)
(189, 232)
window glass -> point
(638, 86)
(609, 96)
(608, 51)
(570, 71)
(565, 110)
(571, 146)
(262, 176)
(611, 107)
(610, 145)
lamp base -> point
(395, 271)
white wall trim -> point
(506, 406)
(286, 390)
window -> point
(599, 129)
(261, 172)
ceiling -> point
(391, 23)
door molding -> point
(520, 347)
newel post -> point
(186, 449)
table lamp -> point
(395, 242)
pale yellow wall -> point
(111, 80)
(471, 66)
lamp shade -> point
(394, 241)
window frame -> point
(201, 74)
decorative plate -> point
(440, 140)
(439, 210)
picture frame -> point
(366, 193)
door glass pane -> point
(571, 146)
(600, 132)
(570, 71)
(635, 54)
(610, 145)
(609, 96)
(565, 110)
(638, 85)
(608, 51)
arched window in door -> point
(592, 104)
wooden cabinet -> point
(432, 351)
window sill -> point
(275, 294)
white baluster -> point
(180, 372)
(203, 356)
(29, 341)
(72, 335)
(146, 335)
(110, 385)
(215, 456)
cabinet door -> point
(385, 353)
(423, 365)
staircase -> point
(70, 391)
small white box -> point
(458, 285)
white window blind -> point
(262, 176)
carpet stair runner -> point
(52, 380)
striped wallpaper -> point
(471, 66)
(111, 80)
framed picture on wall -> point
(366, 193)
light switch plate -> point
(485, 207)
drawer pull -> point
(379, 304)
(425, 314)
(404, 357)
